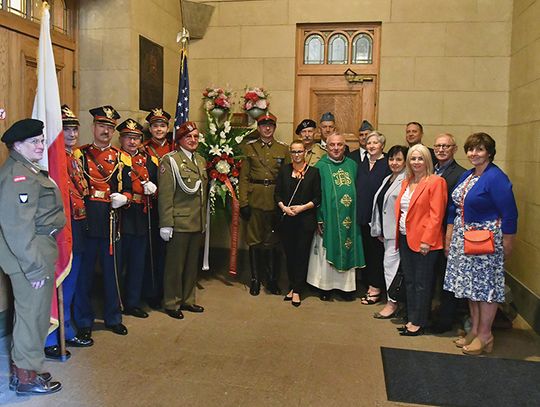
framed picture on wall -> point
(150, 74)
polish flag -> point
(47, 109)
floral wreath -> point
(220, 146)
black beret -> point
(22, 130)
(304, 124)
(158, 115)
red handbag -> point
(476, 241)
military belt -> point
(137, 198)
(266, 182)
(46, 230)
(99, 195)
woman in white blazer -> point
(383, 222)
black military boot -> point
(255, 287)
(30, 383)
(273, 262)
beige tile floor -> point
(246, 351)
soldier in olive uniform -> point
(32, 213)
(263, 159)
(306, 131)
(182, 218)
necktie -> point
(365, 155)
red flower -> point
(230, 160)
(251, 96)
(220, 102)
(209, 165)
(235, 172)
(222, 177)
(214, 174)
(216, 160)
(238, 164)
(224, 156)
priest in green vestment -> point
(337, 247)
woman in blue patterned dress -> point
(483, 197)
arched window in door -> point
(31, 10)
(314, 50)
(362, 50)
(338, 49)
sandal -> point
(371, 299)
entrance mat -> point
(440, 379)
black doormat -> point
(440, 379)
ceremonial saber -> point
(60, 299)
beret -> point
(22, 130)
(184, 129)
(304, 124)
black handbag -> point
(397, 291)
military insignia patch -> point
(131, 125)
(157, 112)
(19, 178)
(23, 198)
(108, 112)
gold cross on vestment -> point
(348, 243)
(346, 200)
(347, 222)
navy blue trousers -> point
(133, 260)
(97, 247)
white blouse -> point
(404, 206)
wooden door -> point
(324, 86)
(19, 40)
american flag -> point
(182, 105)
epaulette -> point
(169, 154)
(77, 153)
(125, 158)
(252, 141)
(282, 143)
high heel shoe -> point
(296, 303)
(464, 340)
(477, 347)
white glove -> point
(118, 200)
(149, 188)
(166, 233)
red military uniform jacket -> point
(106, 171)
(78, 186)
(144, 167)
(158, 150)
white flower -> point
(227, 149)
(223, 167)
(238, 139)
(224, 187)
(202, 139)
(261, 104)
(222, 135)
(208, 105)
(234, 180)
(227, 127)
(212, 128)
(215, 150)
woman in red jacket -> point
(420, 209)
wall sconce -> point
(353, 77)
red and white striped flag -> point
(47, 109)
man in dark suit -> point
(361, 153)
(446, 167)
(414, 132)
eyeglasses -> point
(297, 151)
(443, 146)
(35, 141)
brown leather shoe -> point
(30, 383)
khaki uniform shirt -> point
(185, 212)
(32, 212)
(259, 171)
(315, 154)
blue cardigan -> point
(489, 199)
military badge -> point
(19, 178)
(23, 198)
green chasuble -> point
(341, 236)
